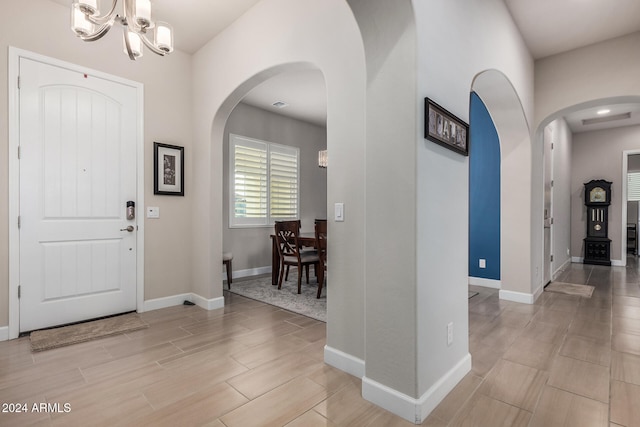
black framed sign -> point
(442, 127)
(168, 169)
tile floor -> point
(564, 361)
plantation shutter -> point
(633, 186)
(263, 182)
(249, 181)
(283, 175)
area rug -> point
(306, 303)
(570, 289)
(47, 339)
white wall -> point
(251, 247)
(490, 40)
(598, 155)
(42, 26)
(562, 141)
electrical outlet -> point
(483, 263)
(450, 333)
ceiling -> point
(548, 27)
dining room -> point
(272, 173)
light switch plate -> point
(339, 211)
(153, 212)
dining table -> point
(307, 240)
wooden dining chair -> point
(321, 246)
(287, 233)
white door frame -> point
(623, 180)
(14, 176)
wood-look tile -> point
(591, 329)
(311, 419)
(347, 408)
(559, 408)
(129, 363)
(498, 337)
(260, 336)
(626, 326)
(180, 383)
(279, 406)
(587, 349)
(627, 311)
(619, 300)
(544, 332)
(449, 407)
(627, 343)
(270, 375)
(332, 379)
(625, 367)
(274, 349)
(482, 410)
(105, 412)
(515, 384)
(556, 318)
(576, 376)
(483, 357)
(202, 407)
(624, 403)
(533, 353)
(25, 416)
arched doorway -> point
(271, 38)
(504, 106)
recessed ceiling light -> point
(605, 111)
(280, 104)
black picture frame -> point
(444, 128)
(168, 169)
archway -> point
(287, 35)
(298, 126)
(501, 100)
(611, 164)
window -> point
(633, 186)
(263, 182)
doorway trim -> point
(623, 210)
(14, 176)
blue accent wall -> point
(484, 192)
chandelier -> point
(89, 25)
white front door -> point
(77, 172)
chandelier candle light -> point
(89, 25)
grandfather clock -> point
(597, 245)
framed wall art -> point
(168, 169)
(442, 127)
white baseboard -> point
(207, 304)
(486, 283)
(520, 297)
(415, 410)
(238, 274)
(343, 361)
(614, 262)
(4, 333)
(560, 269)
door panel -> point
(77, 171)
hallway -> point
(564, 361)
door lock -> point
(129, 229)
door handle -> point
(129, 229)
